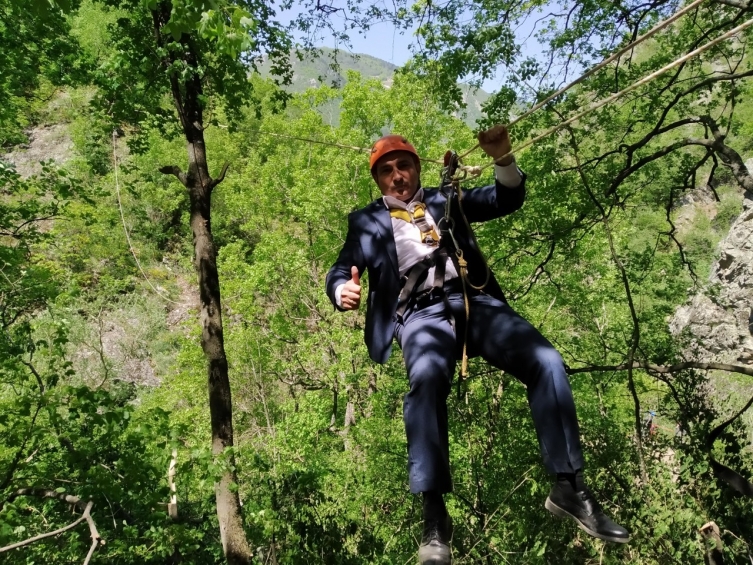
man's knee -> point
(546, 362)
(431, 374)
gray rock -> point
(46, 143)
(718, 323)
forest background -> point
(104, 368)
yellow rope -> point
(125, 229)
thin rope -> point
(476, 170)
(125, 229)
(309, 140)
(630, 88)
(341, 146)
(653, 31)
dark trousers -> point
(506, 340)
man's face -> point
(397, 175)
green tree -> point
(38, 56)
(198, 58)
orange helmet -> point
(388, 144)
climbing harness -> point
(447, 247)
(450, 188)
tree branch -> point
(676, 368)
(37, 376)
(19, 455)
(48, 493)
(710, 531)
(636, 333)
(735, 4)
(76, 501)
(220, 178)
(174, 170)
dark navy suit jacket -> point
(370, 245)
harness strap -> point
(415, 274)
(462, 267)
(448, 248)
(417, 217)
(451, 190)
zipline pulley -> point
(451, 165)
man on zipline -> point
(416, 296)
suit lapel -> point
(435, 203)
(384, 226)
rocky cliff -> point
(718, 322)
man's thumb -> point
(354, 275)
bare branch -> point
(710, 531)
(48, 493)
(48, 534)
(676, 368)
(96, 539)
(220, 178)
(16, 232)
(174, 170)
(172, 506)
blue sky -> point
(385, 42)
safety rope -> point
(449, 179)
(125, 229)
(476, 170)
(318, 142)
(650, 33)
(601, 103)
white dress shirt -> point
(410, 249)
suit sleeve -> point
(350, 255)
(493, 201)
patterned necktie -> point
(417, 217)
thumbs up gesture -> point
(351, 294)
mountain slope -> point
(331, 67)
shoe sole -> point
(562, 513)
(434, 558)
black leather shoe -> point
(435, 542)
(581, 506)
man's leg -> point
(428, 343)
(511, 343)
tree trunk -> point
(187, 92)
(199, 185)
